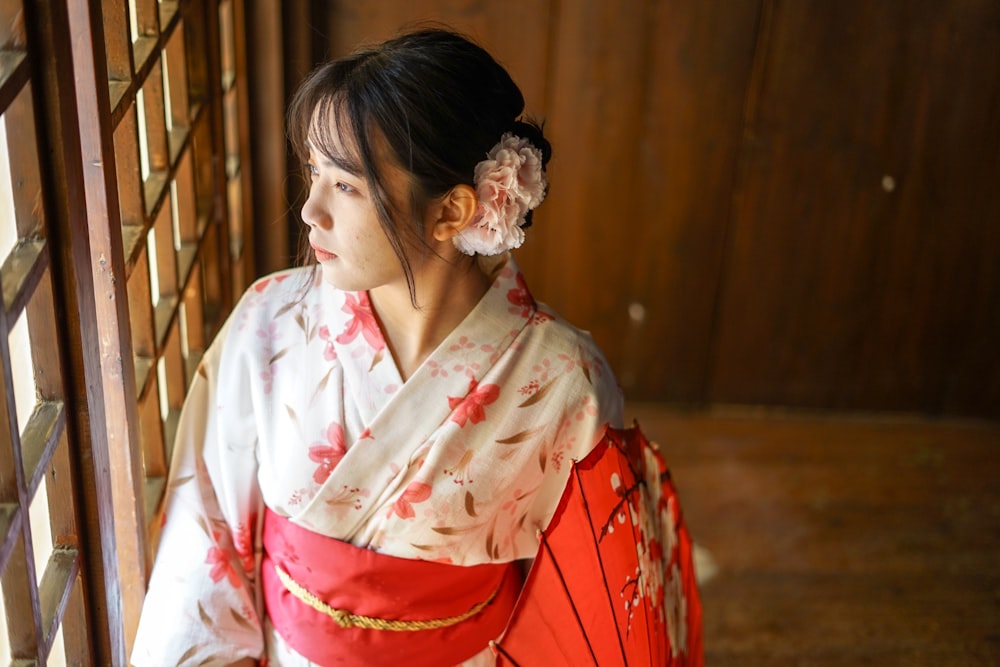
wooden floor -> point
(841, 541)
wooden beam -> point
(117, 468)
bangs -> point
(319, 123)
(333, 136)
(321, 118)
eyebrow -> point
(338, 159)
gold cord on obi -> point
(346, 619)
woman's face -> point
(344, 231)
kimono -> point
(298, 407)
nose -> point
(314, 213)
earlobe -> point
(457, 210)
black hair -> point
(440, 102)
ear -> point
(454, 212)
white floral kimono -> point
(298, 406)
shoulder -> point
(266, 302)
(546, 330)
(555, 334)
(573, 353)
(562, 358)
(279, 288)
(282, 294)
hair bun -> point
(528, 128)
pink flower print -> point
(512, 504)
(543, 369)
(557, 459)
(271, 334)
(261, 285)
(268, 377)
(559, 451)
(346, 498)
(328, 455)
(329, 351)
(468, 368)
(472, 407)
(589, 407)
(243, 541)
(222, 566)
(461, 472)
(463, 344)
(569, 361)
(521, 298)
(540, 317)
(416, 492)
(366, 435)
(437, 370)
(362, 322)
(296, 497)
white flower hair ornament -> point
(509, 183)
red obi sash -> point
(385, 601)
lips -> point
(323, 255)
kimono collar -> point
(457, 382)
(463, 357)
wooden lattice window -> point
(173, 120)
(43, 618)
(143, 116)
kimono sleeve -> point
(582, 414)
(201, 605)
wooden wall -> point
(753, 201)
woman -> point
(376, 439)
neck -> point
(445, 293)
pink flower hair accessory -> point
(509, 183)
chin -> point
(345, 283)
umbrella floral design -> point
(614, 581)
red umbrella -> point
(613, 582)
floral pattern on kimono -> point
(299, 406)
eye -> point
(344, 187)
(311, 169)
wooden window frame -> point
(186, 221)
